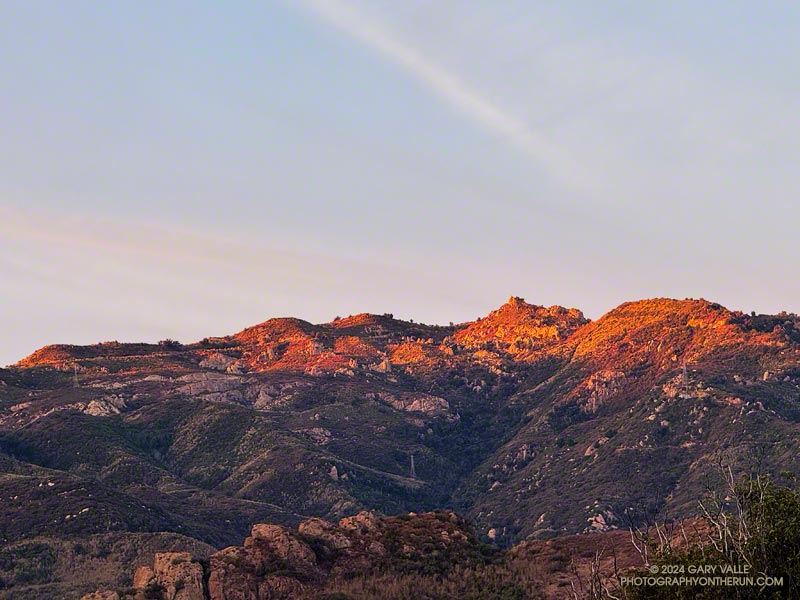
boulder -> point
(217, 361)
(362, 522)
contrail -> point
(448, 86)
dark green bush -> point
(759, 530)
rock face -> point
(174, 575)
(181, 577)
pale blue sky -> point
(183, 169)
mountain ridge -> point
(498, 325)
(531, 421)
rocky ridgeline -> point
(357, 344)
(276, 562)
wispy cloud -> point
(81, 251)
(446, 84)
(631, 124)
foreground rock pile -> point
(276, 562)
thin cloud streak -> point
(185, 252)
(469, 101)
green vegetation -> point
(170, 344)
(754, 532)
(26, 564)
(566, 415)
(477, 583)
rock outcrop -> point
(174, 575)
(518, 327)
(276, 563)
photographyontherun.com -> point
(702, 576)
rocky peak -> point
(278, 329)
(49, 355)
(519, 327)
(682, 329)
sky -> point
(186, 169)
